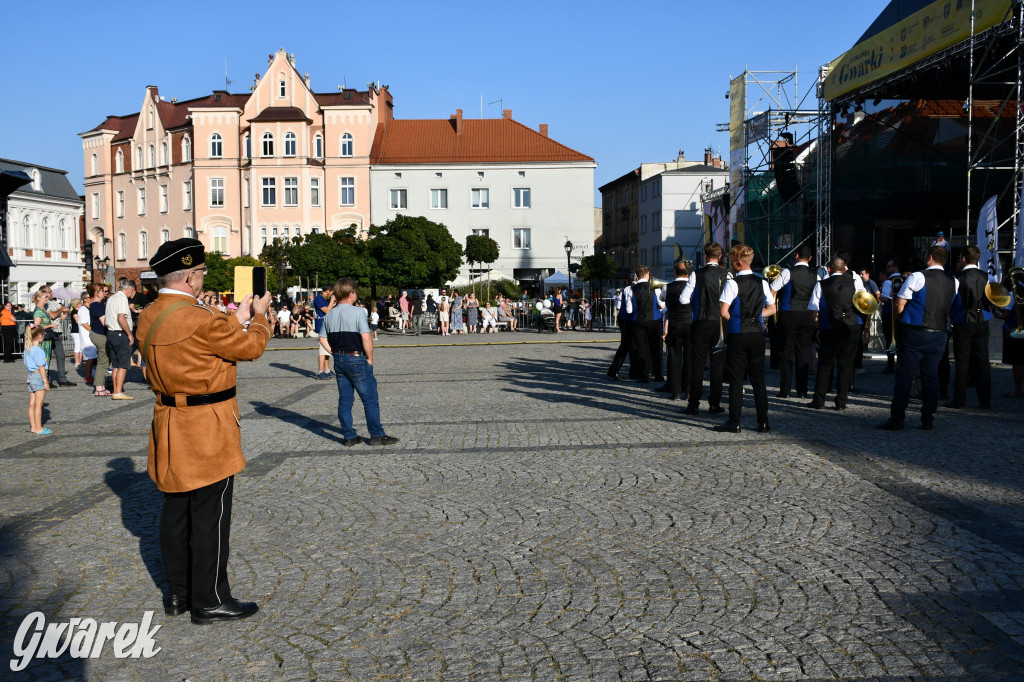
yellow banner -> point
(737, 153)
(737, 109)
(922, 34)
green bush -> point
(509, 288)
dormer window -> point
(318, 147)
(152, 156)
(186, 149)
(119, 161)
(282, 89)
(152, 117)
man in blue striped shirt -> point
(346, 335)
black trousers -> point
(838, 349)
(57, 353)
(195, 530)
(625, 345)
(945, 370)
(677, 344)
(970, 347)
(647, 343)
(887, 333)
(798, 330)
(776, 341)
(704, 335)
(922, 350)
(10, 331)
(745, 358)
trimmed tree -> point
(597, 268)
(411, 251)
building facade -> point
(43, 232)
(494, 177)
(232, 170)
(670, 214)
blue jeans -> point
(355, 375)
(918, 349)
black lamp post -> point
(568, 260)
(102, 264)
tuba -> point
(865, 303)
(894, 288)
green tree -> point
(327, 258)
(218, 276)
(411, 251)
(597, 268)
(482, 249)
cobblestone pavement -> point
(536, 521)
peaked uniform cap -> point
(180, 254)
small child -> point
(374, 319)
(38, 383)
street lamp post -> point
(568, 260)
(102, 264)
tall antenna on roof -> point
(227, 81)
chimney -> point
(681, 158)
(544, 129)
(457, 117)
(506, 114)
(717, 162)
(707, 156)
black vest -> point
(677, 312)
(710, 280)
(838, 293)
(972, 294)
(801, 282)
(642, 296)
(939, 291)
(751, 299)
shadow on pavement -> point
(141, 503)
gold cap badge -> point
(186, 259)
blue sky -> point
(622, 82)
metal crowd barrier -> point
(19, 339)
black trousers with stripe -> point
(195, 533)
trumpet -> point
(894, 288)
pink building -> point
(233, 170)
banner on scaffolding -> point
(988, 241)
(716, 221)
(907, 39)
(737, 155)
(1018, 235)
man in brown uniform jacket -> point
(195, 445)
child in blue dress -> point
(35, 363)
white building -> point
(488, 176)
(670, 213)
(43, 231)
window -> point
(245, 193)
(481, 198)
(46, 233)
(187, 195)
(291, 191)
(398, 199)
(220, 239)
(643, 224)
(138, 159)
(186, 149)
(438, 198)
(263, 238)
(346, 144)
(62, 235)
(120, 203)
(216, 192)
(95, 205)
(216, 146)
(298, 230)
(190, 233)
(482, 232)
(152, 156)
(122, 246)
(269, 192)
(119, 161)
(521, 197)
(289, 144)
(347, 195)
(314, 191)
(26, 232)
(318, 147)
(248, 147)
(282, 89)
(284, 234)
(247, 244)
(152, 117)
(273, 233)
(142, 201)
(163, 198)
(164, 159)
(268, 144)
(165, 236)
(95, 164)
(521, 238)
(143, 244)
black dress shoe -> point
(727, 427)
(614, 377)
(674, 396)
(953, 405)
(644, 380)
(890, 425)
(664, 388)
(716, 409)
(839, 408)
(175, 604)
(814, 405)
(383, 440)
(780, 394)
(349, 442)
(802, 396)
(230, 609)
(764, 428)
(927, 426)
(692, 409)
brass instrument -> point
(771, 272)
(896, 283)
(1017, 290)
(865, 303)
(721, 335)
(997, 294)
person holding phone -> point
(195, 443)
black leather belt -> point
(353, 353)
(203, 399)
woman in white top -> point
(88, 347)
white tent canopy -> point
(556, 280)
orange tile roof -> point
(482, 141)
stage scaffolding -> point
(777, 115)
(995, 59)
